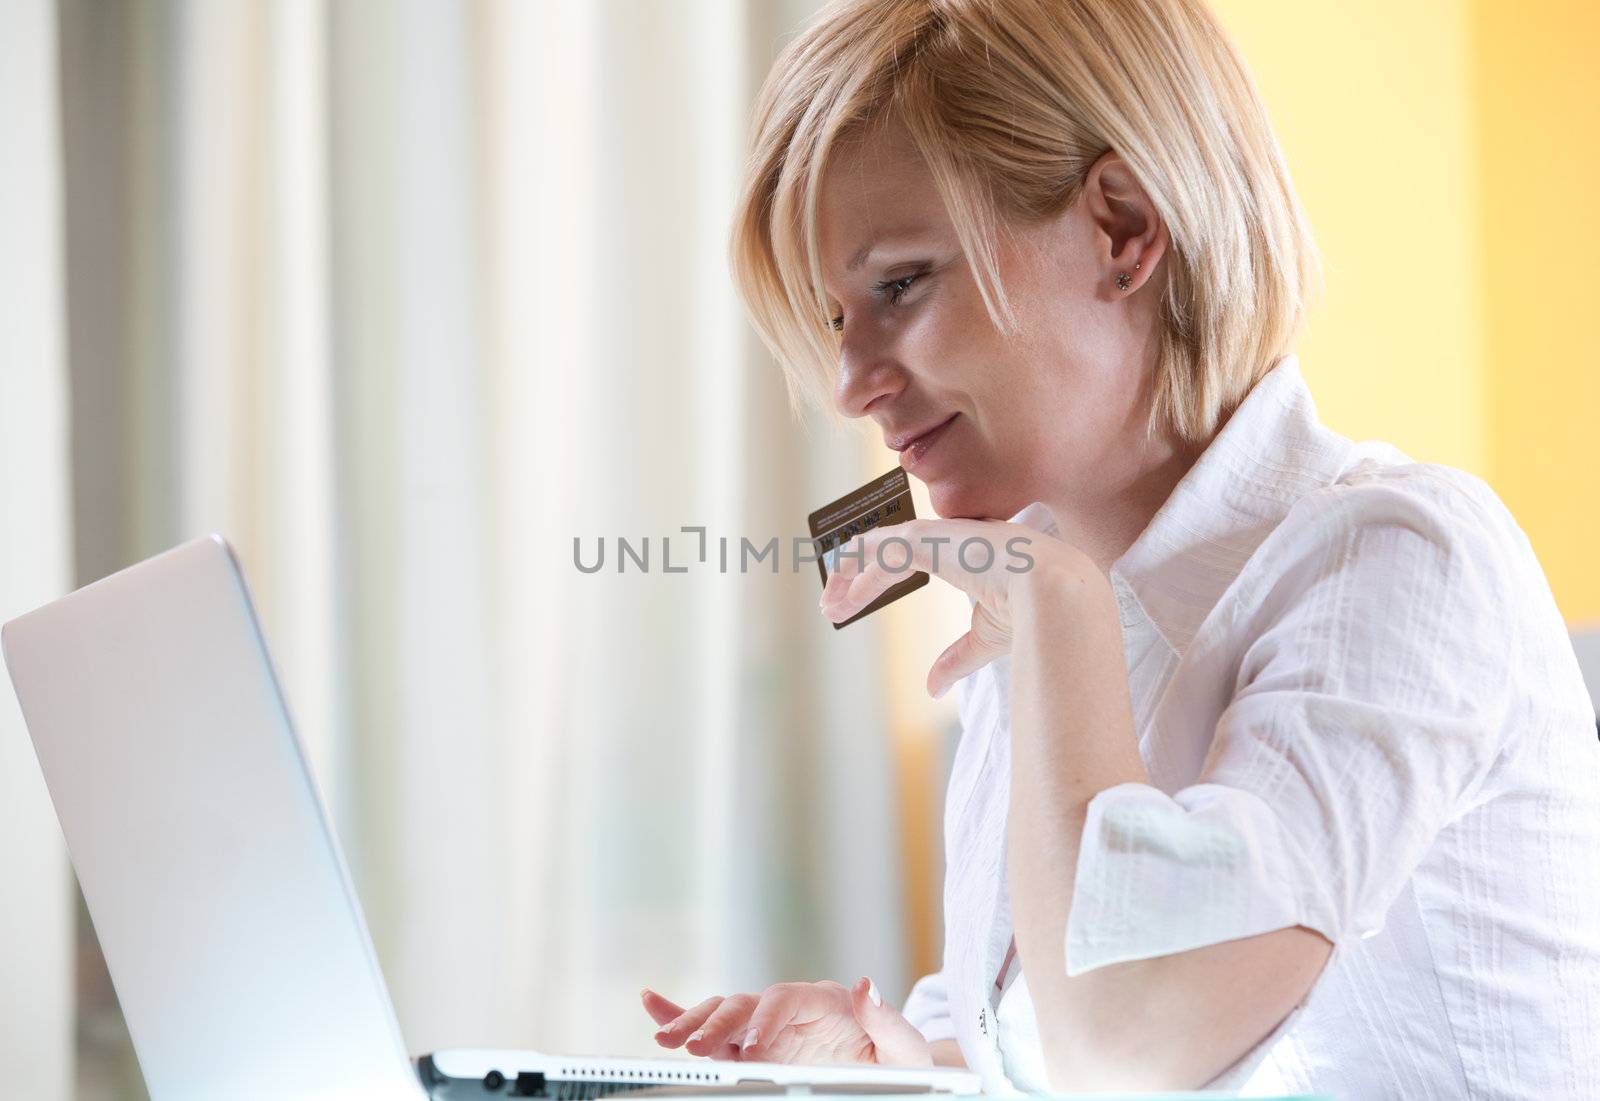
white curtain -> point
(35, 552)
(404, 297)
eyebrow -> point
(916, 237)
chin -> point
(971, 498)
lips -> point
(903, 440)
(914, 446)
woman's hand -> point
(794, 1022)
(989, 560)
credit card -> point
(884, 500)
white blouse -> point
(1361, 713)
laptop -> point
(218, 890)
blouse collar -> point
(1271, 452)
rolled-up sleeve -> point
(928, 1008)
(1365, 657)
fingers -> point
(782, 1007)
(895, 1040)
(718, 1031)
(866, 567)
(964, 655)
(843, 597)
(979, 557)
(660, 1009)
(967, 654)
(681, 1028)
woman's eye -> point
(895, 288)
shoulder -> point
(1395, 582)
(1411, 526)
(1462, 501)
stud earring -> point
(1124, 281)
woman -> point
(1276, 766)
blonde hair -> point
(1009, 103)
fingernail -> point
(749, 1040)
(872, 993)
(663, 1033)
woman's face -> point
(1056, 413)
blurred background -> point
(404, 296)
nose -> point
(866, 374)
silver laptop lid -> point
(222, 902)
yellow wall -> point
(1538, 104)
(1370, 100)
(1445, 151)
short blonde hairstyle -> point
(1009, 103)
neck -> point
(1105, 525)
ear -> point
(1130, 234)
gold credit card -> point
(884, 500)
